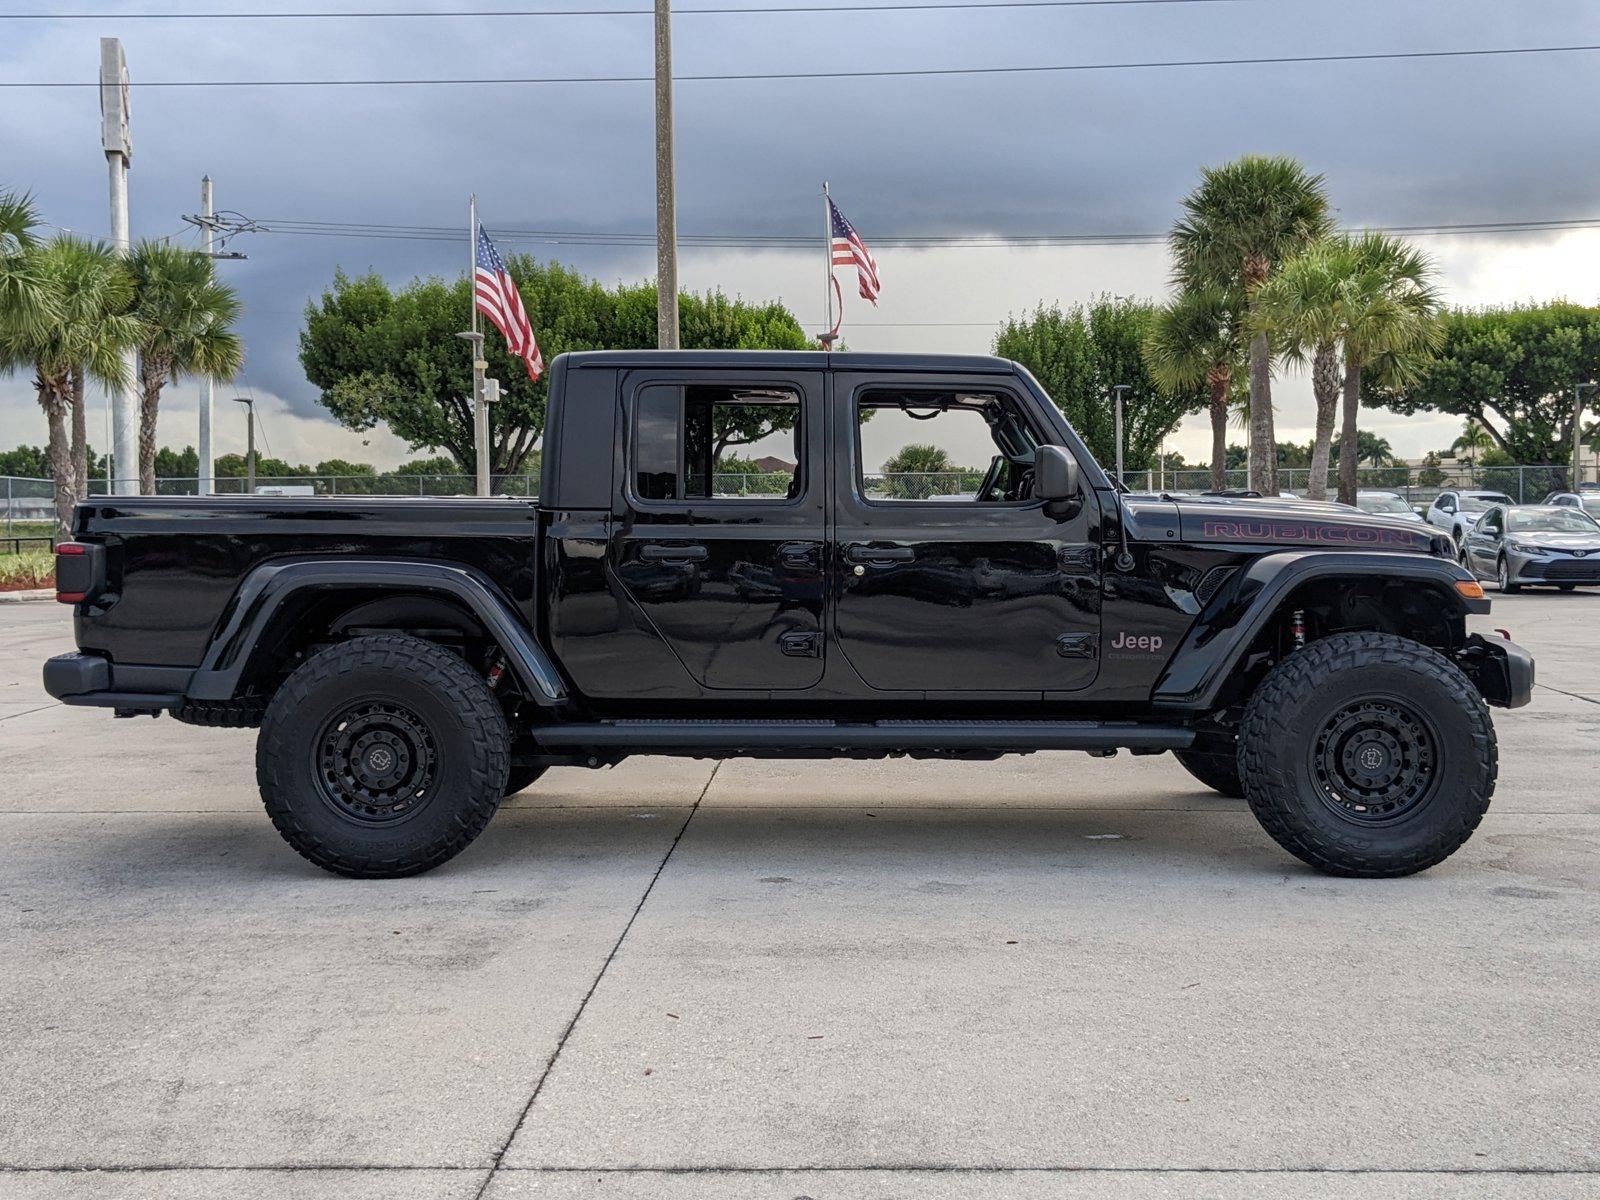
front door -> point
(1482, 542)
(947, 575)
(720, 554)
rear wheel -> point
(382, 756)
(1219, 772)
(1369, 755)
(1567, 587)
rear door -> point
(947, 576)
(719, 555)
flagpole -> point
(474, 340)
(827, 258)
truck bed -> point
(178, 560)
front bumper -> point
(1501, 670)
(1554, 568)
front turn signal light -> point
(1470, 588)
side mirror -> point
(1489, 530)
(1055, 474)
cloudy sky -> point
(1402, 143)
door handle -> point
(657, 553)
(878, 555)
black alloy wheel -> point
(1368, 754)
(382, 756)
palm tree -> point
(1375, 451)
(1389, 316)
(1197, 340)
(89, 290)
(1300, 306)
(1244, 219)
(1474, 439)
(187, 318)
(26, 304)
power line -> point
(923, 72)
(442, 233)
(959, 5)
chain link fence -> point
(29, 504)
(1417, 485)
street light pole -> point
(1577, 431)
(666, 188)
(1119, 390)
(249, 443)
(208, 456)
(118, 145)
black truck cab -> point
(665, 594)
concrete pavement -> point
(1048, 976)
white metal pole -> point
(491, 393)
(827, 258)
(208, 388)
(480, 417)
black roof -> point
(790, 360)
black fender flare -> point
(1219, 639)
(266, 588)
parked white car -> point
(1459, 511)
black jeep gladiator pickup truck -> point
(410, 662)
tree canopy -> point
(1081, 354)
(391, 355)
(1511, 370)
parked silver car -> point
(1588, 500)
(1458, 511)
(1522, 544)
(1386, 504)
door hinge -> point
(805, 644)
(1076, 645)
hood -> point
(1554, 540)
(1286, 523)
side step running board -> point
(640, 735)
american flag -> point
(496, 296)
(849, 248)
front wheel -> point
(1503, 577)
(1366, 754)
(382, 756)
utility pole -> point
(249, 443)
(1119, 390)
(207, 389)
(666, 188)
(118, 145)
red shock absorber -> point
(496, 673)
(1297, 628)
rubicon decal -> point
(1301, 531)
(1128, 641)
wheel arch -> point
(282, 604)
(1236, 637)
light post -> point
(1119, 390)
(1577, 430)
(480, 411)
(249, 443)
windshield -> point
(1552, 520)
(1382, 504)
(1482, 503)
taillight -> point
(79, 571)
